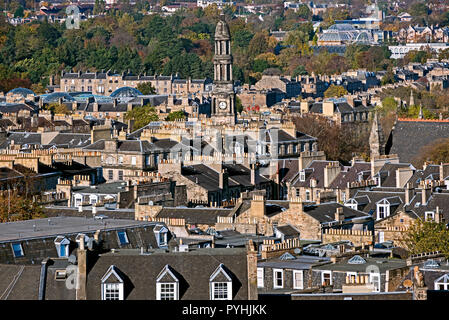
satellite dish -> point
(297, 251)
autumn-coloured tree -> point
(426, 236)
(337, 142)
(15, 207)
(437, 152)
(335, 91)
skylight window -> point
(287, 256)
(431, 264)
(123, 238)
(356, 260)
(17, 249)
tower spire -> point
(376, 138)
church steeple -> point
(223, 96)
(376, 138)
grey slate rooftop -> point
(60, 225)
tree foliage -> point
(427, 236)
(176, 115)
(15, 207)
(146, 88)
(437, 152)
(142, 116)
(335, 91)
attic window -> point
(123, 238)
(167, 285)
(220, 284)
(302, 176)
(442, 283)
(112, 285)
(17, 249)
(62, 246)
(429, 215)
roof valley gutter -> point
(43, 280)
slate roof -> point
(19, 282)
(195, 215)
(193, 270)
(314, 170)
(134, 146)
(358, 171)
(387, 173)
(325, 212)
(422, 133)
(376, 196)
(381, 263)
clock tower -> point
(223, 96)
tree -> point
(335, 91)
(427, 236)
(238, 105)
(146, 88)
(57, 108)
(176, 115)
(437, 152)
(15, 207)
(142, 116)
(388, 78)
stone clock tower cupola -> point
(223, 96)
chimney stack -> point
(339, 215)
(409, 193)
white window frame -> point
(308, 194)
(133, 161)
(126, 237)
(159, 290)
(275, 285)
(302, 176)
(375, 275)
(442, 281)
(330, 276)
(213, 286)
(386, 206)
(108, 286)
(105, 284)
(431, 214)
(351, 203)
(301, 274)
(260, 277)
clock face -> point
(222, 105)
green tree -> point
(388, 78)
(427, 236)
(142, 116)
(335, 91)
(238, 105)
(176, 115)
(146, 88)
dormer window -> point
(442, 283)
(112, 286)
(220, 283)
(62, 246)
(161, 233)
(167, 285)
(429, 216)
(351, 203)
(383, 209)
(302, 176)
